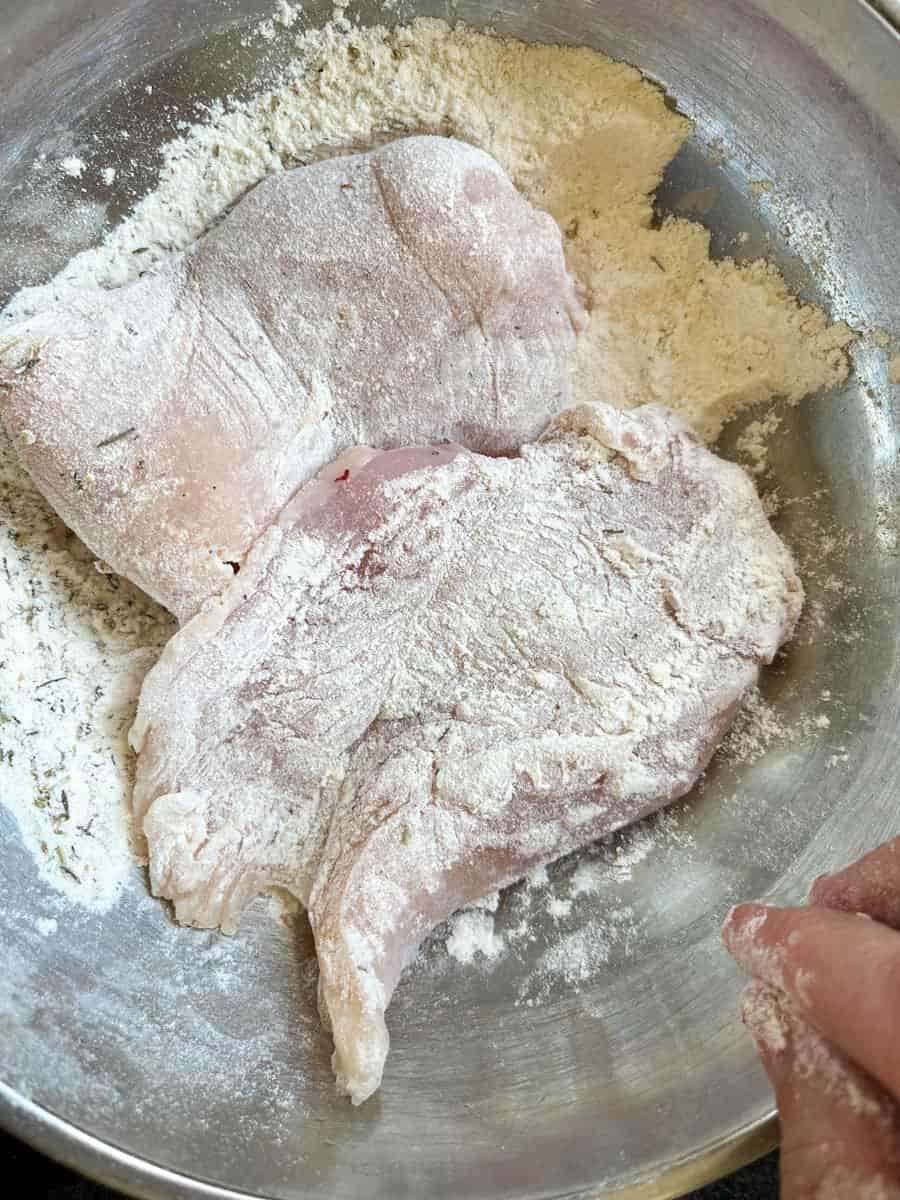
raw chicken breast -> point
(438, 670)
(405, 295)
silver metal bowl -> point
(169, 1063)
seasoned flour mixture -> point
(75, 646)
(583, 138)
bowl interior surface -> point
(182, 1052)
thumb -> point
(840, 1131)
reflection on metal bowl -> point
(169, 1063)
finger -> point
(840, 1131)
(842, 972)
(870, 886)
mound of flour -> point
(583, 137)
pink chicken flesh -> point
(405, 295)
(438, 670)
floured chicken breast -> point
(437, 671)
(405, 295)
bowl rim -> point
(107, 1164)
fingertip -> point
(870, 886)
(743, 922)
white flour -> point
(74, 648)
(72, 166)
(584, 137)
(488, 935)
(473, 934)
(778, 1026)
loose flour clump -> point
(586, 934)
(472, 934)
(72, 166)
(757, 727)
(753, 444)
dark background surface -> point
(47, 1181)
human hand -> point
(824, 1012)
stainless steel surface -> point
(170, 1064)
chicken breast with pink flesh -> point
(440, 670)
(405, 295)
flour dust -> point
(583, 137)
